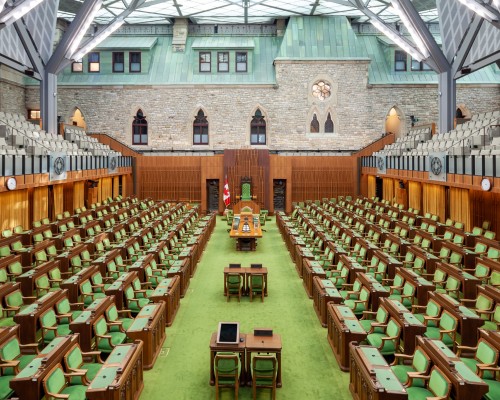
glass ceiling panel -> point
(242, 11)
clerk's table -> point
(246, 230)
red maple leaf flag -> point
(226, 195)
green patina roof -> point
(227, 42)
(317, 38)
(127, 42)
(305, 38)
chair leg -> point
(251, 294)
(254, 390)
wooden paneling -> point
(105, 189)
(460, 206)
(388, 189)
(116, 186)
(78, 195)
(281, 168)
(485, 206)
(14, 209)
(40, 203)
(434, 200)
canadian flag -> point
(226, 195)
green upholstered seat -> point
(432, 312)
(87, 293)
(360, 305)
(420, 363)
(352, 294)
(264, 374)
(4, 251)
(227, 372)
(494, 323)
(43, 285)
(14, 269)
(486, 355)
(56, 382)
(134, 304)
(494, 389)
(107, 340)
(113, 270)
(5, 391)
(256, 286)
(445, 331)
(234, 285)
(74, 361)
(452, 287)
(437, 386)
(98, 285)
(387, 342)
(116, 323)
(369, 325)
(407, 296)
(64, 313)
(379, 272)
(10, 352)
(50, 328)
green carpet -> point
(309, 369)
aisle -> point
(309, 367)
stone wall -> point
(358, 110)
(12, 92)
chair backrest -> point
(433, 309)
(74, 358)
(421, 361)
(48, 318)
(112, 313)
(226, 366)
(100, 326)
(10, 350)
(448, 321)
(393, 329)
(264, 370)
(438, 383)
(55, 380)
(485, 353)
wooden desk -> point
(180, 268)
(28, 317)
(263, 344)
(84, 323)
(149, 326)
(423, 286)
(311, 270)
(468, 282)
(465, 384)
(468, 321)
(28, 383)
(118, 286)
(324, 291)
(377, 291)
(234, 348)
(168, 291)
(371, 377)
(343, 328)
(27, 279)
(246, 230)
(121, 377)
(72, 284)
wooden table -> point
(246, 273)
(246, 230)
(263, 344)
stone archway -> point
(78, 119)
(394, 122)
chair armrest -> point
(126, 312)
(461, 348)
(61, 316)
(401, 356)
(29, 346)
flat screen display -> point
(228, 333)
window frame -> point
(209, 63)
(130, 62)
(141, 127)
(80, 62)
(114, 62)
(255, 124)
(199, 129)
(396, 52)
(219, 62)
(236, 61)
(98, 62)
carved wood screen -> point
(251, 163)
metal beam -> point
(466, 44)
(9, 62)
(478, 64)
(447, 101)
(29, 46)
(437, 55)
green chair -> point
(105, 339)
(43, 285)
(100, 283)
(431, 315)
(234, 285)
(134, 304)
(376, 325)
(4, 251)
(407, 296)
(437, 386)
(114, 271)
(154, 276)
(14, 269)
(264, 374)
(64, 313)
(116, 323)
(420, 365)
(446, 330)
(493, 324)
(227, 373)
(12, 357)
(361, 304)
(452, 287)
(256, 286)
(386, 342)
(57, 385)
(50, 328)
(87, 293)
(74, 363)
(485, 355)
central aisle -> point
(309, 367)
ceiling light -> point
(400, 41)
(480, 9)
(98, 39)
(83, 30)
(413, 32)
(17, 11)
(2, 4)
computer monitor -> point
(255, 265)
(228, 333)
